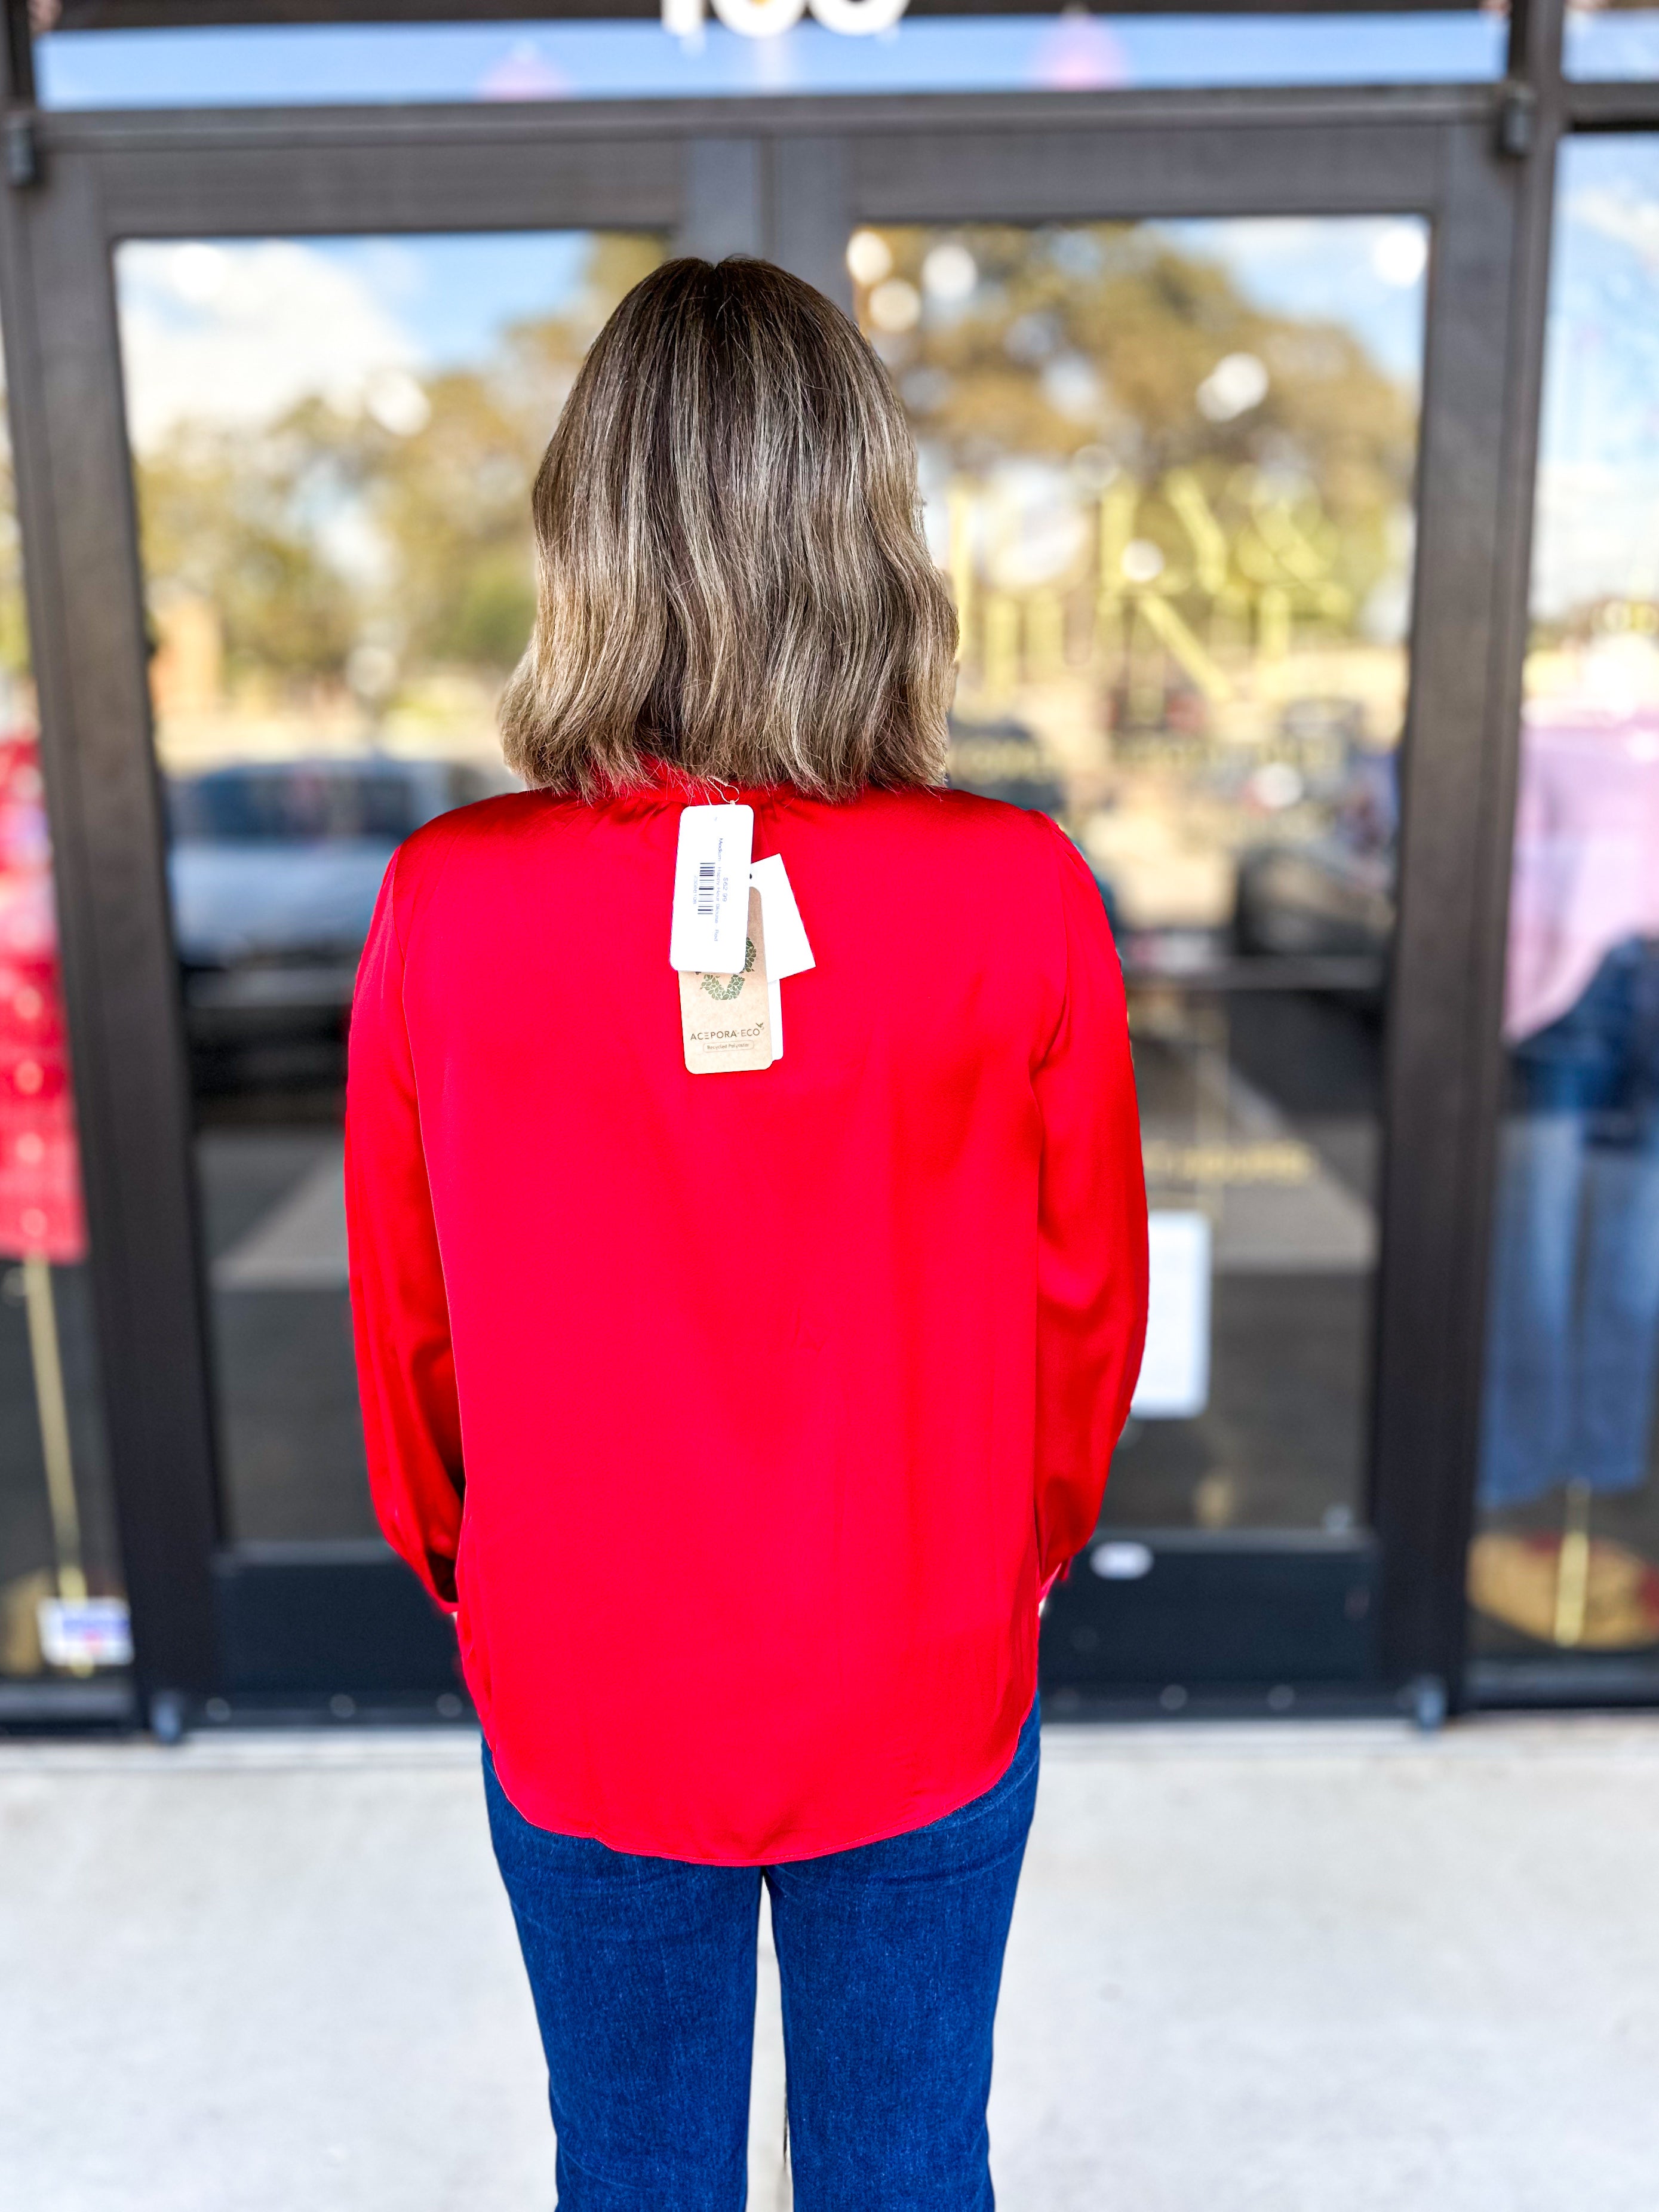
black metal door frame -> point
(789, 178)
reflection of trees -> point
(1227, 514)
(225, 520)
(404, 530)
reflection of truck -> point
(274, 868)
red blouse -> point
(744, 1416)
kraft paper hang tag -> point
(711, 890)
(726, 1020)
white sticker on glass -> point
(85, 1632)
(1174, 1375)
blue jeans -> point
(1574, 1333)
(642, 1971)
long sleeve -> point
(400, 1315)
(1092, 1239)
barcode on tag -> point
(711, 890)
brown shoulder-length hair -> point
(731, 570)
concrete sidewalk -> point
(1296, 1969)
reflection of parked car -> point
(274, 868)
(1334, 897)
(1304, 901)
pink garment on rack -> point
(1586, 853)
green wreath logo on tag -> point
(716, 989)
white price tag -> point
(784, 929)
(787, 952)
(711, 890)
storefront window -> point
(1567, 1561)
(1169, 470)
(62, 1612)
(333, 441)
(318, 64)
(1610, 40)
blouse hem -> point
(796, 1844)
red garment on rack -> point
(745, 1415)
(40, 1209)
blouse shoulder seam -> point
(431, 871)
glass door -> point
(1169, 468)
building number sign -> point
(767, 19)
